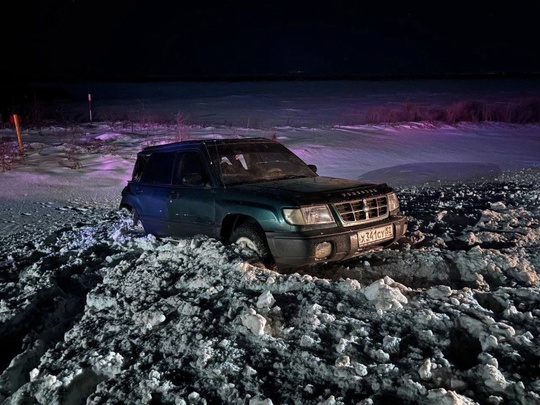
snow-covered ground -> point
(94, 311)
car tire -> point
(132, 214)
(135, 217)
(250, 236)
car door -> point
(152, 193)
(191, 202)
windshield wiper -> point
(293, 176)
(264, 180)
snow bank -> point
(94, 311)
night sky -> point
(157, 40)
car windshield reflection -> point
(257, 163)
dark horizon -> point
(44, 81)
(8, 77)
(240, 40)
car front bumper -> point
(298, 249)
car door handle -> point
(138, 190)
(173, 195)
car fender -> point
(268, 216)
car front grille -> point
(362, 211)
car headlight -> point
(393, 202)
(315, 215)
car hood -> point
(313, 190)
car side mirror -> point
(313, 168)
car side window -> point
(190, 170)
(138, 169)
(158, 169)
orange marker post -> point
(18, 130)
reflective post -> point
(90, 106)
(18, 130)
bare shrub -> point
(468, 111)
(498, 112)
(526, 111)
(436, 115)
(181, 128)
(72, 158)
(9, 154)
(412, 112)
(74, 145)
(95, 145)
(375, 115)
(407, 112)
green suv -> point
(257, 193)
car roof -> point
(175, 146)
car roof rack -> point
(168, 147)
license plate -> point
(374, 235)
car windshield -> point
(254, 162)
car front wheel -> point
(132, 214)
(250, 236)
